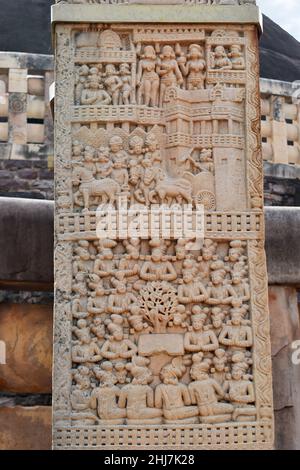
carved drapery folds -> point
(157, 335)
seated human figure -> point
(122, 302)
(200, 339)
(157, 269)
(206, 393)
(219, 366)
(117, 348)
(173, 397)
(192, 291)
(97, 302)
(81, 397)
(105, 397)
(86, 351)
(93, 92)
(220, 59)
(240, 391)
(236, 334)
(220, 292)
(236, 56)
(138, 397)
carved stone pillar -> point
(160, 342)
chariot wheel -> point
(207, 199)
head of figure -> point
(207, 253)
(110, 69)
(220, 51)
(121, 370)
(236, 318)
(115, 144)
(151, 142)
(77, 148)
(81, 324)
(235, 50)
(93, 78)
(219, 360)
(136, 145)
(149, 53)
(156, 254)
(103, 154)
(178, 316)
(147, 163)
(83, 384)
(189, 270)
(188, 276)
(93, 83)
(89, 154)
(236, 278)
(107, 253)
(97, 321)
(107, 366)
(206, 155)
(237, 371)
(235, 250)
(208, 250)
(195, 52)
(217, 317)
(116, 331)
(236, 303)
(83, 370)
(118, 164)
(100, 291)
(84, 70)
(121, 288)
(169, 375)
(139, 369)
(83, 250)
(199, 371)
(180, 248)
(137, 323)
(198, 321)
(217, 277)
(85, 338)
(124, 69)
(168, 53)
(133, 248)
(106, 375)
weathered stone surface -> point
(283, 245)
(285, 328)
(160, 331)
(26, 240)
(27, 333)
(25, 428)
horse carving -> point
(89, 187)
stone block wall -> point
(26, 178)
(282, 184)
(26, 127)
(280, 121)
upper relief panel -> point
(158, 115)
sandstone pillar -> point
(160, 342)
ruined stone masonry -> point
(160, 343)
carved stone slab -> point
(160, 342)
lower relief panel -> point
(169, 347)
